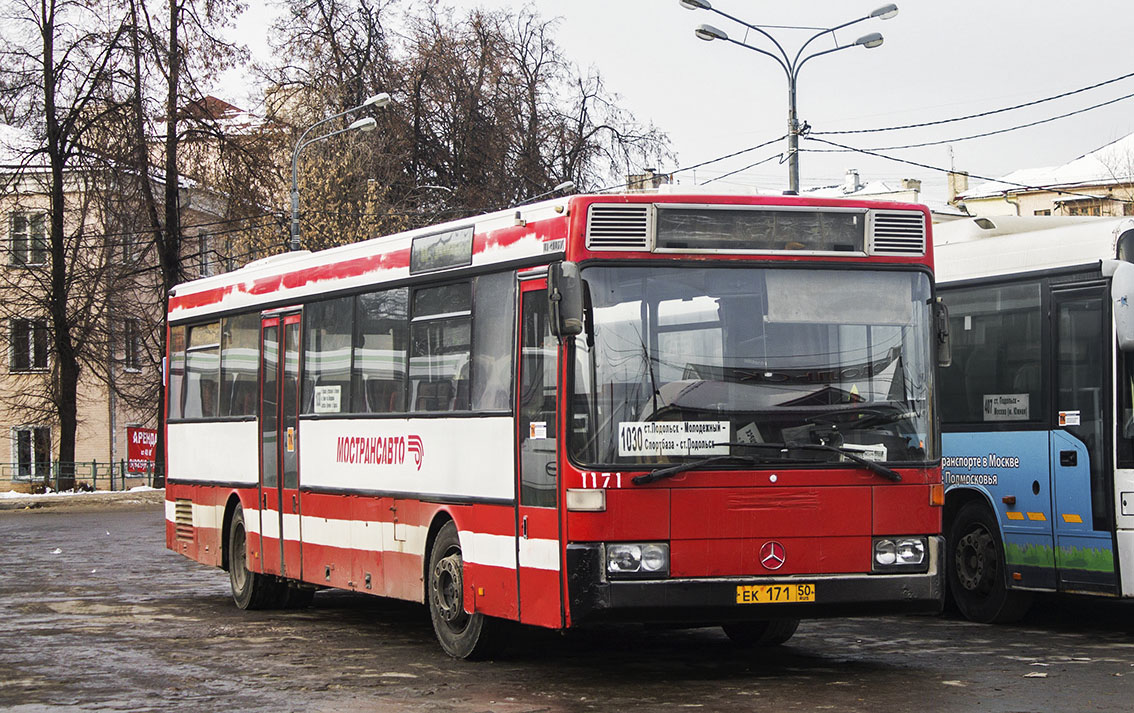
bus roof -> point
(1003, 245)
(532, 232)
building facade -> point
(1100, 183)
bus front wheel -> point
(250, 590)
(978, 579)
(772, 632)
(462, 635)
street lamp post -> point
(365, 124)
(790, 65)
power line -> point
(876, 154)
(986, 133)
(695, 166)
(751, 165)
(981, 114)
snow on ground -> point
(70, 493)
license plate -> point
(775, 593)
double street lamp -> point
(366, 124)
(791, 65)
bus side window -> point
(176, 369)
(380, 355)
(440, 347)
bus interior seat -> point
(383, 396)
(433, 395)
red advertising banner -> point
(140, 446)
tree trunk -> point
(66, 366)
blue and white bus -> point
(1037, 409)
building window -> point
(29, 344)
(31, 448)
(203, 255)
(28, 238)
(1043, 212)
(1128, 208)
(1085, 208)
(132, 344)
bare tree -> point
(487, 113)
(57, 58)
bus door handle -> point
(524, 527)
(295, 503)
(1068, 458)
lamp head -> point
(709, 33)
(378, 100)
(874, 39)
(367, 124)
(885, 12)
(696, 5)
(565, 186)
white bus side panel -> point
(449, 457)
(223, 452)
(1124, 517)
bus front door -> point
(279, 446)
(1083, 497)
(538, 541)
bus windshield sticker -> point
(537, 430)
(1006, 407)
(1069, 418)
(673, 438)
(328, 399)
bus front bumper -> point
(594, 597)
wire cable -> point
(981, 114)
(876, 154)
(732, 173)
(986, 133)
(695, 166)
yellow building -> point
(114, 300)
(1100, 183)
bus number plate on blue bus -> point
(775, 593)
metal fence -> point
(88, 475)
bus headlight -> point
(906, 554)
(649, 559)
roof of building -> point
(883, 190)
(1109, 164)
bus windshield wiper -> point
(672, 470)
(870, 465)
(857, 417)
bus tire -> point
(462, 635)
(250, 590)
(977, 575)
(771, 632)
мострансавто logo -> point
(379, 450)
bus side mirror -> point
(941, 331)
(565, 297)
(1121, 276)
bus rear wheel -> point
(771, 632)
(462, 635)
(250, 590)
(977, 575)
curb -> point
(84, 501)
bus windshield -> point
(685, 362)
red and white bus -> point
(704, 410)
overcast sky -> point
(941, 59)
